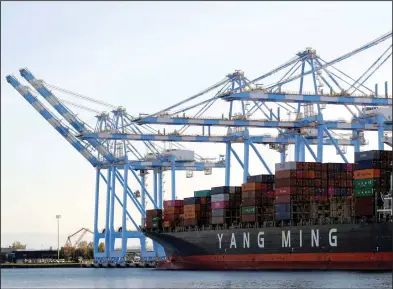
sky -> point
(145, 56)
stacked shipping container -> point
(225, 205)
(205, 200)
(192, 211)
(258, 199)
(340, 189)
(295, 187)
(299, 191)
(371, 177)
(319, 203)
(154, 219)
(173, 213)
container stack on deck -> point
(192, 212)
(294, 187)
(173, 213)
(225, 205)
(340, 189)
(371, 177)
(299, 191)
(154, 219)
(205, 200)
(319, 202)
(258, 199)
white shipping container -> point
(232, 190)
(182, 155)
(285, 166)
(220, 198)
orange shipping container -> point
(167, 224)
(203, 200)
(192, 208)
(253, 187)
(366, 174)
(172, 210)
(311, 174)
(191, 215)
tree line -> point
(84, 250)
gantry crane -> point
(110, 146)
(75, 245)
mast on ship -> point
(386, 211)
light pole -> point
(58, 238)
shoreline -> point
(67, 265)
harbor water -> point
(152, 278)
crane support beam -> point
(64, 112)
(308, 98)
(207, 139)
(338, 125)
(55, 122)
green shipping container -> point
(366, 183)
(364, 192)
(203, 193)
(156, 224)
(156, 219)
(248, 210)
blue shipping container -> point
(368, 155)
(364, 165)
(283, 208)
(219, 212)
(283, 216)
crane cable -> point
(80, 95)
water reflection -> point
(150, 278)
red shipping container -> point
(364, 201)
(171, 217)
(287, 183)
(250, 202)
(154, 212)
(270, 195)
(285, 191)
(283, 199)
(300, 174)
(173, 203)
(349, 167)
(220, 205)
(252, 195)
(248, 218)
(172, 210)
(285, 174)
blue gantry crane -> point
(113, 156)
(308, 128)
(112, 144)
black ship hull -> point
(363, 246)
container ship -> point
(308, 216)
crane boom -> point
(65, 112)
(63, 130)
